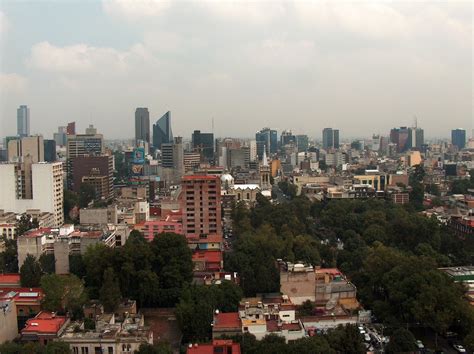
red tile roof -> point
(37, 232)
(44, 323)
(10, 279)
(227, 320)
(208, 256)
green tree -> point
(30, 272)
(87, 194)
(24, 224)
(160, 348)
(173, 264)
(47, 262)
(346, 339)
(109, 294)
(63, 293)
(71, 199)
(401, 341)
(9, 258)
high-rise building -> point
(415, 138)
(287, 137)
(32, 146)
(162, 133)
(201, 205)
(204, 144)
(172, 156)
(400, 137)
(49, 150)
(23, 121)
(61, 136)
(71, 128)
(458, 138)
(330, 138)
(302, 142)
(142, 125)
(267, 138)
(97, 171)
(30, 185)
(82, 145)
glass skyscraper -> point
(162, 133)
(23, 121)
(458, 138)
(330, 138)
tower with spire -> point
(264, 171)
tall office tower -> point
(172, 156)
(142, 125)
(201, 205)
(253, 150)
(61, 136)
(49, 150)
(399, 136)
(267, 138)
(458, 138)
(23, 121)
(302, 142)
(82, 145)
(415, 138)
(30, 185)
(71, 128)
(162, 133)
(97, 171)
(32, 146)
(330, 138)
(204, 144)
(287, 137)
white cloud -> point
(12, 83)
(4, 23)
(133, 10)
(82, 58)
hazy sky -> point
(362, 67)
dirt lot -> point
(164, 325)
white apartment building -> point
(33, 186)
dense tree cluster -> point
(343, 339)
(153, 273)
(198, 304)
(35, 348)
(390, 252)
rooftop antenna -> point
(415, 121)
(213, 125)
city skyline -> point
(300, 66)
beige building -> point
(99, 216)
(30, 146)
(64, 242)
(28, 186)
(109, 336)
(298, 282)
(8, 321)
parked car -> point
(419, 344)
(367, 337)
(459, 348)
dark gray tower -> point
(142, 125)
(162, 133)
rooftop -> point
(217, 346)
(208, 256)
(44, 323)
(9, 279)
(227, 320)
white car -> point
(367, 337)
(459, 348)
(419, 344)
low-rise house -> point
(217, 346)
(10, 280)
(27, 302)
(465, 276)
(208, 260)
(44, 327)
(226, 324)
(109, 335)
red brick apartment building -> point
(201, 205)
